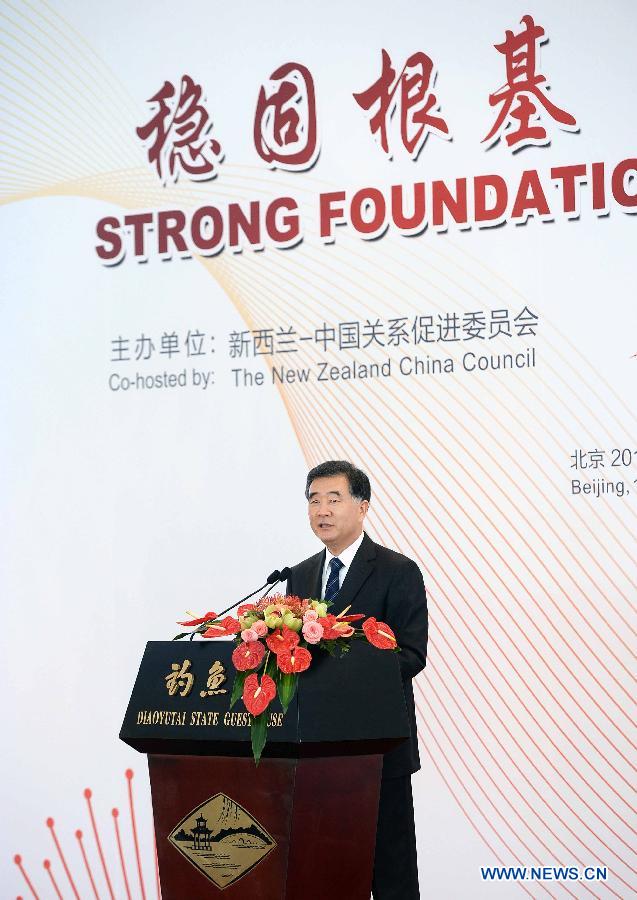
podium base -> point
(288, 829)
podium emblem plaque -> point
(222, 840)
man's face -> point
(335, 516)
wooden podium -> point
(299, 826)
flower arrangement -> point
(272, 638)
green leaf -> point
(330, 646)
(178, 637)
(286, 688)
(237, 687)
(259, 734)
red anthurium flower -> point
(248, 655)
(379, 634)
(343, 629)
(328, 622)
(193, 622)
(282, 639)
(355, 617)
(224, 628)
(297, 659)
(258, 696)
(246, 607)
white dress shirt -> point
(346, 557)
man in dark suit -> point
(354, 571)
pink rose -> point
(249, 634)
(310, 615)
(260, 628)
(312, 631)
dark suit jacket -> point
(388, 586)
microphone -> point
(273, 578)
(283, 575)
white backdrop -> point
(123, 509)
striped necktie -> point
(332, 587)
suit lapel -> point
(316, 583)
(311, 577)
(361, 568)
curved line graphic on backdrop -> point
(530, 595)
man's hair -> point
(359, 486)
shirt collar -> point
(347, 555)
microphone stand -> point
(275, 578)
(266, 586)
